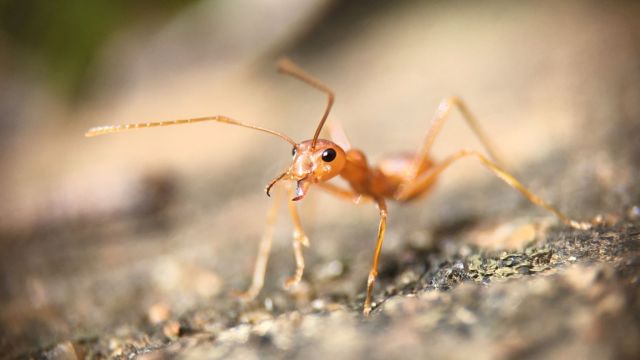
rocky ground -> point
(574, 295)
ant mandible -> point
(401, 178)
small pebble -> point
(330, 271)
(63, 351)
(268, 304)
(611, 304)
(158, 313)
(465, 316)
(255, 316)
(318, 304)
(171, 329)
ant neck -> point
(356, 171)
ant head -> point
(313, 164)
(315, 160)
(318, 163)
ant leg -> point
(382, 207)
(299, 239)
(416, 185)
(260, 267)
(441, 115)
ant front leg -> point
(299, 240)
(260, 267)
(373, 273)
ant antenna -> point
(102, 130)
(286, 66)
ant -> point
(401, 177)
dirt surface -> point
(124, 247)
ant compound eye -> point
(328, 155)
(293, 151)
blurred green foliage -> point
(59, 39)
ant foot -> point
(244, 296)
(366, 310)
(291, 283)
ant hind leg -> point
(410, 188)
(439, 118)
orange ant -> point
(401, 178)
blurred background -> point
(94, 232)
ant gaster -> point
(401, 178)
